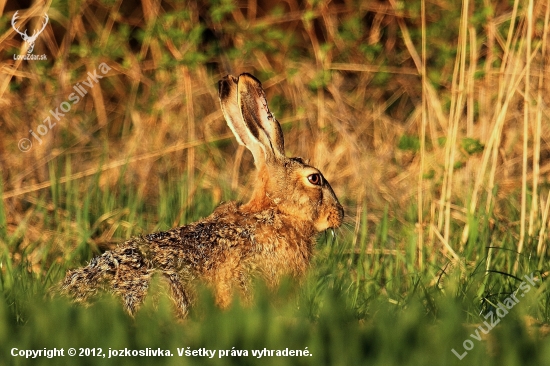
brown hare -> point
(271, 236)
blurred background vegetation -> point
(428, 118)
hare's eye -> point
(315, 179)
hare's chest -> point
(278, 251)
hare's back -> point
(202, 245)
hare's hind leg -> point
(133, 274)
(180, 296)
(131, 285)
(83, 283)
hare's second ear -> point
(257, 116)
(227, 91)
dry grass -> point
(157, 111)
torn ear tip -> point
(224, 85)
(223, 89)
(228, 78)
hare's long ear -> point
(259, 120)
(227, 91)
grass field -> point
(427, 118)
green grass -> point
(356, 306)
(346, 84)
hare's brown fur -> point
(272, 235)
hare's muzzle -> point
(332, 218)
(336, 217)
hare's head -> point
(294, 187)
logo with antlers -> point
(24, 34)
